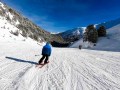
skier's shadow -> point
(20, 60)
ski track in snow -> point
(69, 69)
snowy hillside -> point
(112, 41)
(8, 15)
(26, 27)
(109, 43)
(69, 69)
(10, 32)
(9, 24)
(6, 29)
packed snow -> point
(69, 68)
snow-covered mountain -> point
(24, 26)
(13, 22)
(73, 34)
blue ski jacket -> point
(46, 50)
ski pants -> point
(46, 57)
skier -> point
(80, 46)
(46, 52)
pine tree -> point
(85, 36)
(91, 34)
(101, 31)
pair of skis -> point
(41, 65)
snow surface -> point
(8, 14)
(69, 68)
(6, 28)
(2, 5)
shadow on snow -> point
(20, 60)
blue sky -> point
(61, 15)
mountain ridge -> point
(72, 37)
(26, 26)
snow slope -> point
(69, 68)
(7, 14)
(112, 41)
(109, 43)
(7, 29)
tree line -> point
(91, 33)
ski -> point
(41, 65)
